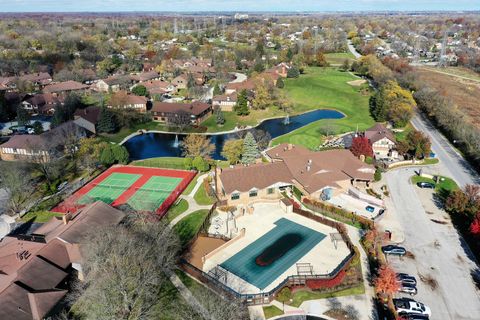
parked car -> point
(370, 209)
(409, 288)
(415, 317)
(410, 306)
(394, 250)
(426, 185)
(406, 278)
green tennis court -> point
(153, 193)
(110, 188)
(277, 249)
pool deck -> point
(323, 257)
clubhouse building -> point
(316, 175)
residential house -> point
(123, 100)
(180, 82)
(113, 83)
(38, 80)
(42, 147)
(146, 76)
(317, 175)
(42, 103)
(36, 267)
(225, 101)
(65, 87)
(158, 87)
(173, 113)
(232, 87)
(87, 118)
(383, 142)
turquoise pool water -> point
(244, 263)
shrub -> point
(188, 163)
(326, 283)
(200, 164)
(378, 175)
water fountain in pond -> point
(286, 121)
(175, 144)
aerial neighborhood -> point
(221, 165)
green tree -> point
(290, 54)
(23, 117)
(259, 66)
(293, 72)
(241, 108)
(284, 296)
(392, 103)
(219, 117)
(250, 149)
(188, 163)
(37, 127)
(345, 66)
(232, 150)
(216, 90)
(200, 164)
(280, 83)
(140, 90)
(114, 153)
(107, 122)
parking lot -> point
(441, 264)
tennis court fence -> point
(175, 193)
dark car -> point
(406, 278)
(394, 250)
(409, 288)
(426, 185)
(415, 316)
(370, 209)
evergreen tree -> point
(37, 127)
(280, 83)
(140, 90)
(23, 117)
(219, 117)
(241, 108)
(250, 149)
(290, 54)
(293, 72)
(259, 66)
(107, 122)
(216, 90)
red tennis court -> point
(143, 188)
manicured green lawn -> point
(40, 216)
(124, 132)
(339, 57)
(190, 187)
(177, 209)
(305, 295)
(326, 88)
(189, 226)
(401, 136)
(202, 198)
(445, 183)
(271, 311)
(162, 162)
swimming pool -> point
(268, 257)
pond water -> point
(151, 145)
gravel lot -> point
(438, 250)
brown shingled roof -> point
(378, 132)
(65, 86)
(194, 108)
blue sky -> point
(233, 5)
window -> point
(270, 190)
(235, 196)
(253, 193)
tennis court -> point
(111, 188)
(244, 263)
(153, 193)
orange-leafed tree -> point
(361, 146)
(386, 281)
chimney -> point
(290, 146)
(66, 217)
(308, 168)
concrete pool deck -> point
(323, 257)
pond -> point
(152, 145)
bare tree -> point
(17, 181)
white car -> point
(410, 306)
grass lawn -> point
(271, 311)
(40, 216)
(326, 88)
(190, 187)
(445, 183)
(202, 198)
(402, 135)
(189, 226)
(124, 132)
(177, 209)
(305, 295)
(162, 162)
(339, 57)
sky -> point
(234, 5)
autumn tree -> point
(345, 65)
(361, 146)
(419, 144)
(262, 99)
(457, 202)
(196, 145)
(386, 281)
(475, 226)
(89, 152)
(392, 103)
(232, 150)
(320, 60)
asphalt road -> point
(452, 164)
(438, 252)
(353, 50)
